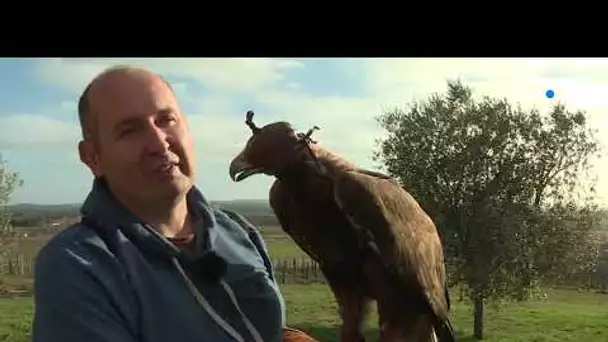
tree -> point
(503, 186)
(9, 181)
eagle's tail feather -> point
(446, 332)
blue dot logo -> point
(550, 94)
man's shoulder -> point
(252, 233)
(75, 234)
(237, 218)
(76, 241)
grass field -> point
(281, 246)
(564, 316)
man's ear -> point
(89, 156)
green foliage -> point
(569, 244)
(9, 181)
(504, 186)
(564, 316)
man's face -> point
(143, 146)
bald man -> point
(151, 260)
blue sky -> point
(39, 129)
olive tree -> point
(503, 185)
(9, 182)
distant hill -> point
(28, 209)
(252, 206)
(242, 206)
(27, 214)
(257, 211)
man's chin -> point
(176, 186)
(180, 183)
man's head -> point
(136, 137)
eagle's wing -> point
(403, 235)
(282, 203)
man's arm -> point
(289, 334)
(256, 238)
(78, 297)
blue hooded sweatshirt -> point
(113, 278)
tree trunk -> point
(478, 318)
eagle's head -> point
(270, 149)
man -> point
(151, 260)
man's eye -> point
(126, 132)
(167, 120)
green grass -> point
(564, 316)
(16, 319)
(280, 245)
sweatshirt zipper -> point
(209, 309)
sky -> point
(39, 127)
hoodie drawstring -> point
(207, 307)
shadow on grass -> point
(332, 333)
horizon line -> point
(75, 203)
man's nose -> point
(157, 140)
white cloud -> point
(347, 123)
(68, 106)
(31, 131)
(233, 74)
(578, 83)
(348, 126)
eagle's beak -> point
(240, 169)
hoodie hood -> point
(129, 271)
(107, 212)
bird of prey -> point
(370, 237)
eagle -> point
(369, 236)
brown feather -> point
(370, 237)
(406, 237)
